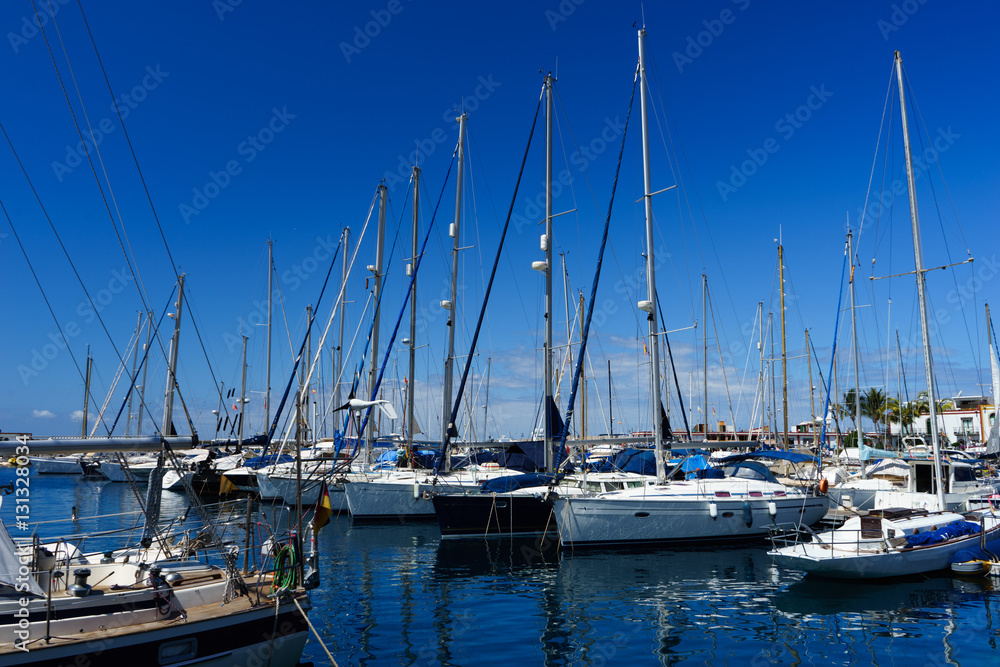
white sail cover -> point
(993, 441)
(10, 563)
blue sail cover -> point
(774, 454)
(509, 483)
(269, 460)
(946, 532)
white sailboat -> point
(744, 504)
(888, 543)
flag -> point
(226, 486)
(321, 515)
(644, 348)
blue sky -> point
(257, 120)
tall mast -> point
(812, 398)
(451, 305)
(704, 349)
(583, 384)
(649, 306)
(383, 193)
(921, 288)
(86, 392)
(145, 366)
(784, 358)
(131, 394)
(854, 347)
(345, 236)
(774, 402)
(413, 311)
(547, 247)
(270, 287)
(611, 416)
(760, 346)
(168, 404)
(305, 373)
(243, 398)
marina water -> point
(396, 594)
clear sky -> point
(260, 119)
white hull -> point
(115, 473)
(845, 554)
(59, 465)
(657, 515)
(405, 495)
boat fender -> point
(747, 514)
(772, 509)
(416, 490)
(824, 485)
(713, 510)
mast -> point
(899, 384)
(304, 370)
(921, 294)
(854, 347)
(145, 366)
(583, 384)
(649, 306)
(812, 397)
(704, 349)
(383, 193)
(547, 247)
(345, 236)
(168, 404)
(774, 403)
(270, 287)
(413, 313)
(784, 358)
(449, 360)
(86, 392)
(760, 379)
(243, 398)
(611, 416)
(131, 394)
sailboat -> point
(61, 606)
(891, 543)
(743, 502)
(406, 493)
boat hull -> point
(489, 515)
(601, 521)
(207, 637)
(383, 500)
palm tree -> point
(902, 413)
(874, 406)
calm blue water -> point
(399, 595)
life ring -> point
(824, 485)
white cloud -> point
(42, 414)
(78, 416)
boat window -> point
(178, 651)
(963, 474)
(594, 486)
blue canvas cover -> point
(946, 532)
